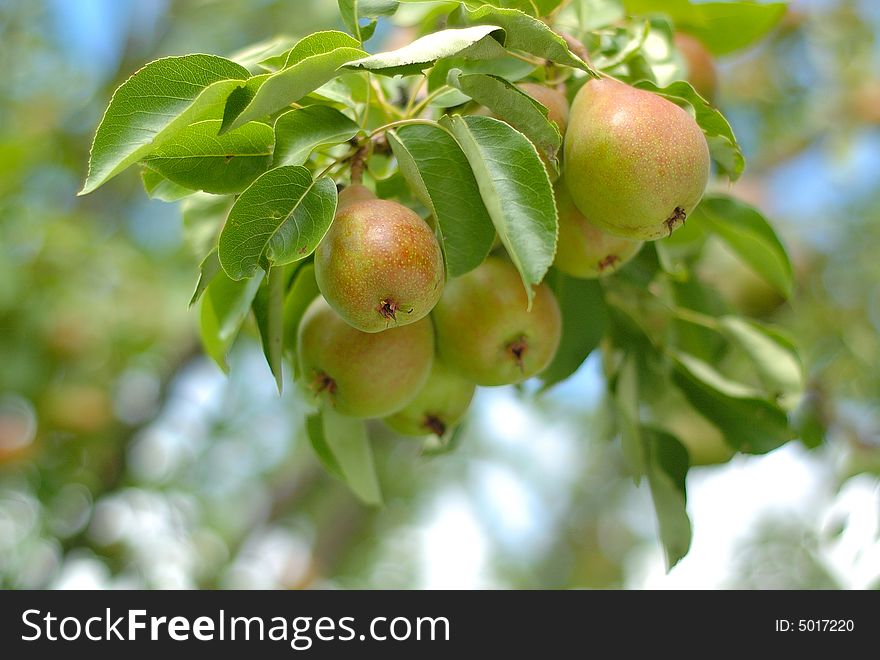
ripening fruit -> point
(553, 100)
(636, 164)
(438, 406)
(699, 66)
(583, 250)
(379, 265)
(362, 374)
(484, 332)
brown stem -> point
(358, 163)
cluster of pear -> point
(389, 338)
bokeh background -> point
(128, 460)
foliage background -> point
(127, 459)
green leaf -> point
(156, 103)
(279, 219)
(301, 131)
(723, 27)
(347, 439)
(749, 422)
(313, 61)
(750, 236)
(774, 356)
(252, 57)
(515, 189)
(626, 403)
(722, 143)
(200, 159)
(302, 292)
(530, 35)
(158, 187)
(354, 10)
(225, 305)
(441, 178)
(514, 106)
(667, 470)
(315, 430)
(268, 306)
(480, 42)
(584, 319)
(208, 269)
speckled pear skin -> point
(438, 406)
(379, 265)
(700, 69)
(554, 101)
(586, 251)
(484, 332)
(636, 165)
(362, 374)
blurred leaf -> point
(749, 235)
(514, 106)
(722, 143)
(268, 306)
(154, 105)
(528, 34)
(300, 295)
(203, 217)
(354, 10)
(158, 187)
(749, 422)
(722, 26)
(524, 215)
(199, 159)
(441, 178)
(667, 461)
(774, 356)
(478, 42)
(225, 305)
(313, 61)
(279, 219)
(208, 269)
(584, 320)
(626, 404)
(315, 430)
(347, 439)
(301, 131)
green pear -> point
(362, 374)
(438, 406)
(636, 165)
(553, 100)
(484, 331)
(584, 250)
(379, 265)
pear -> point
(583, 250)
(553, 100)
(379, 265)
(362, 374)
(484, 331)
(636, 164)
(438, 406)
(698, 64)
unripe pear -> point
(636, 164)
(362, 374)
(379, 265)
(438, 406)
(699, 66)
(484, 331)
(584, 250)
